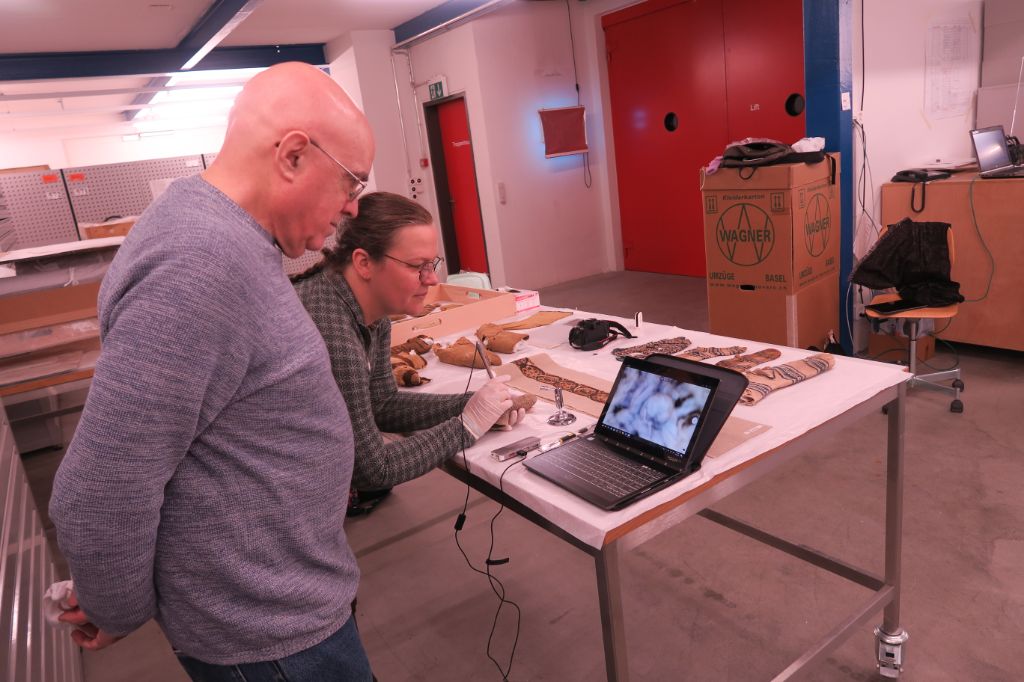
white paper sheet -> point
(950, 79)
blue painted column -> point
(828, 72)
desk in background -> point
(998, 319)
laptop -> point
(731, 385)
(993, 154)
(647, 437)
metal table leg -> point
(612, 623)
(890, 636)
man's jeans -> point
(340, 658)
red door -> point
(725, 69)
(666, 75)
(764, 67)
(458, 159)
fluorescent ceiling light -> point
(210, 106)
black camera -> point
(592, 333)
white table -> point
(798, 417)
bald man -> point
(206, 483)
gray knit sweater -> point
(206, 484)
(361, 362)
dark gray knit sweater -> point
(206, 484)
(361, 362)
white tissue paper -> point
(55, 602)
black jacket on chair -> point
(913, 258)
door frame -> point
(442, 193)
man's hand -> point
(87, 635)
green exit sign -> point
(436, 88)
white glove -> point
(486, 406)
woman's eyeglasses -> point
(425, 268)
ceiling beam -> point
(220, 19)
(49, 65)
(447, 14)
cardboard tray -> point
(477, 307)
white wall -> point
(508, 64)
(380, 103)
(90, 146)
(18, 150)
(89, 140)
(901, 133)
(552, 228)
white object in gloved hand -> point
(486, 406)
(512, 417)
(55, 602)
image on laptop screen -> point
(659, 409)
(990, 147)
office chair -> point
(913, 318)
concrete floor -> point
(701, 602)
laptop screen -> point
(659, 408)
(990, 148)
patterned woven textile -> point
(667, 346)
(764, 381)
(539, 374)
(741, 363)
(703, 353)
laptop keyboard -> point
(598, 467)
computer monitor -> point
(990, 148)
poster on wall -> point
(950, 78)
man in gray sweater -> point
(206, 484)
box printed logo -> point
(745, 234)
(817, 225)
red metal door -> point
(764, 67)
(458, 159)
(662, 64)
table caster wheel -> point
(956, 406)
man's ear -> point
(291, 154)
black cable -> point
(884, 352)
(956, 360)
(988, 252)
(492, 580)
(572, 46)
(588, 179)
(500, 589)
(863, 56)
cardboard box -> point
(890, 348)
(477, 306)
(111, 228)
(526, 299)
(772, 243)
(798, 319)
(773, 227)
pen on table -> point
(562, 440)
(483, 358)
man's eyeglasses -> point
(424, 268)
(360, 184)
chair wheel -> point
(956, 406)
(958, 384)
